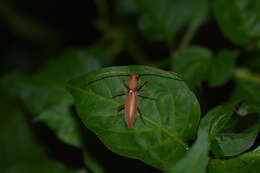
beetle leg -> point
(145, 95)
(119, 94)
(142, 85)
(141, 115)
(125, 84)
(118, 109)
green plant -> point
(190, 128)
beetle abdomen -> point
(130, 108)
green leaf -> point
(238, 19)
(247, 75)
(232, 143)
(248, 162)
(215, 120)
(73, 63)
(225, 140)
(45, 96)
(222, 67)
(196, 160)
(193, 64)
(92, 164)
(248, 108)
(247, 88)
(170, 122)
(165, 18)
(20, 151)
(50, 103)
(13, 131)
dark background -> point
(74, 24)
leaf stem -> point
(192, 29)
(244, 73)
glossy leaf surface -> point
(221, 124)
(169, 122)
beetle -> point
(131, 107)
(133, 87)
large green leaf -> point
(225, 138)
(45, 96)
(222, 67)
(170, 122)
(165, 18)
(196, 160)
(238, 19)
(246, 163)
(193, 64)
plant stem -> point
(244, 73)
(187, 38)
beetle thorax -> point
(133, 83)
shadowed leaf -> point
(248, 162)
(45, 96)
(193, 64)
(221, 123)
(238, 19)
(165, 18)
(222, 67)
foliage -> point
(204, 118)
